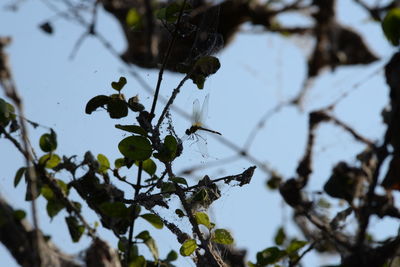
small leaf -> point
(96, 102)
(138, 261)
(19, 214)
(204, 67)
(18, 176)
(53, 207)
(133, 18)
(48, 142)
(134, 105)
(120, 84)
(179, 180)
(75, 229)
(120, 162)
(7, 112)
(50, 160)
(295, 245)
(114, 209)
(144, 235)
(78, 206)
(202, 218)
(171, 144)
(104, 163)
(207, 65)
(172, 256)
(269, 256)
(46, 192)
(153, 219)
(280, 236)
(149, 166)
(167, 187)
(391, 26)
(132, 129)
(222, 236)
(188, 247)
(150, 243)
(274, 182)
(168, 149)
(117, 108)
(135, 148)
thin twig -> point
(175, 92)
(131, 228)
(165, 60)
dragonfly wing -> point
(204, 109)
(202, 145)
(196, 112)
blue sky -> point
(258, 71)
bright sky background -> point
(258, 71)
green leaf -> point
(78, 206)
(149, 166)
(135, 148)
(150, 243)
(168, 149)
(114, 209)
(50, 160)
(53, 207)
(18, 176)
(295, 245)
(7, 112)
(63, 186)
(391, 26)
(207, 65)
(117, 108)
(104, 163)
(96, 102)
(269, 256)
(138, 261)
(120, 84)
(75, 229)
(222, 236)
(188, 247)
(132, 129)
(144, 235)
(167, 187)
(153, 219)
(48, 142)
(19, 214)
(172, 256)
(28, 194)
(171, 144)
(120, 162)
(202, 218)
(133, 19)
(274, 182)
(280, 236)
(46, 192)
(179, 180)
(204, 67)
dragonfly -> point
(198, 118)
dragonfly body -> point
(194, 128)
